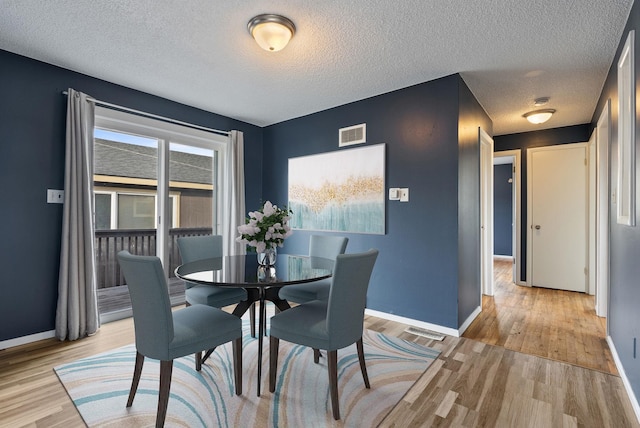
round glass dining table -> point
(262, 283)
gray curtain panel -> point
(234, 205)
(77, 312)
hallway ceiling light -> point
(539, 116)
(271, 32)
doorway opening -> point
(508, 210)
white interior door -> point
(486, 212)
(557, 216)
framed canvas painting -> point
(342, 191)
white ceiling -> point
(199, 52)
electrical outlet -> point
(404, 194)
(55, 196)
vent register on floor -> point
(424, 333)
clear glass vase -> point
(268, 257)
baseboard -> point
(465, 325)
(116, 315)
(625, 380)
(409, 321)
(11, 343)
(505, 258)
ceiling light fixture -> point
(271, 32)
(539, 116)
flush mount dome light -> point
(539, 116)
(271, 32)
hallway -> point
(555, 324)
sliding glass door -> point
(153, 183)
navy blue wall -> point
(529, 140)
(502, 210)
(32, 132)
(416, 275)
(471, 117)
(624, 270)
(427, 270)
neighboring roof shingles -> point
(129, 160)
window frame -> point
(167, 133)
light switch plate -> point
(55, 196)
(394, 194)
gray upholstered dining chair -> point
(164, 335)
(327, 247)
(194, 248)
(329, 324)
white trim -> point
(486, 214)
(591, 213)
(504, 258)
(134, 124)
(415, 323)
(603, 195)
(465, 325)
(625, 379)
(23, 340)
(626, 191)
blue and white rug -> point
(99, 386)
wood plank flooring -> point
(471, 384)
(556, 324)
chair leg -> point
(316, 355)
(208, 354)
(332, 364)
(274, 343)
(363, 367)
(252, 319)
(136, 378)
(237, 364)
(198, 361)
(166, 367)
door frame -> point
(516, 251)
(486, 213)
(530, 207)
(603, 192)
(591, 213)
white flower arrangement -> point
(266, 228)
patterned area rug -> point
(99, 386)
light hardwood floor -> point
(471, 384)
(499, 379)
(556, 324)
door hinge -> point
(514, 169)
(586, 271)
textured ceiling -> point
(198, 52)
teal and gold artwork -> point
(342, 191)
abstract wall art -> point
(340, 191)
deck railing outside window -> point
(137, 241)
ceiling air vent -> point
(352, 135)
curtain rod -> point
(150, 115)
